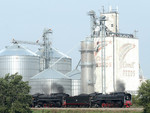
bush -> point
(14, 95)
(144, 96)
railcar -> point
(82, 100)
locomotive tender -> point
(117, 99)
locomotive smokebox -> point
(87, 66)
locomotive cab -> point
(127, 100)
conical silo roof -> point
(16, 50)
(53, 53)
(74, 74)
(49, 74)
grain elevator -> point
(116, 56)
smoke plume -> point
(120, 86)
(57, 88)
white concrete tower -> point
(112, 18)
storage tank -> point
(75, 75)
(17, 59)
(50, 81)
(63, 62)
(87, 66)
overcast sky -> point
(26, 19)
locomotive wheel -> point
(39, 104)
(104, 105)
(58, 104)
(127, 106)
(96, 106)
(44, 105)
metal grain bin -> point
(17, 59)
(50, 81)
(58, 60)
(75, 75)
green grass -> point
(82, 111)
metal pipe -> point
(104, 61)
(114, 87)
(103, 70)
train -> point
(116, 99)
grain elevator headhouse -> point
(115, 56)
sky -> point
(26, 20)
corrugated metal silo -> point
(50, 81)
(75, 75)
(63, 65)
(17, 59)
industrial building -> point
(53, 65)
(109, 61)
(115, 61)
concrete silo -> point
(87, 66)
(122, 64)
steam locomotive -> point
(117, 99)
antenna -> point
(117, 9)
(110, 9)
(103, 9)
(135, 32)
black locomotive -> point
(117, 99)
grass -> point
(82, 111)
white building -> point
(112, 20)
(121, 64)
(116, 57)
(120, 70)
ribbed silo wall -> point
(41, 64)
(27, 66)
(48, 86)
(76, 84)
(63, 65)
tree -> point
(144, 96)
(135, 102)
(14, 95)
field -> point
(87, 110)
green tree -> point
(14, 95)
(144, 96)
(135, 101)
